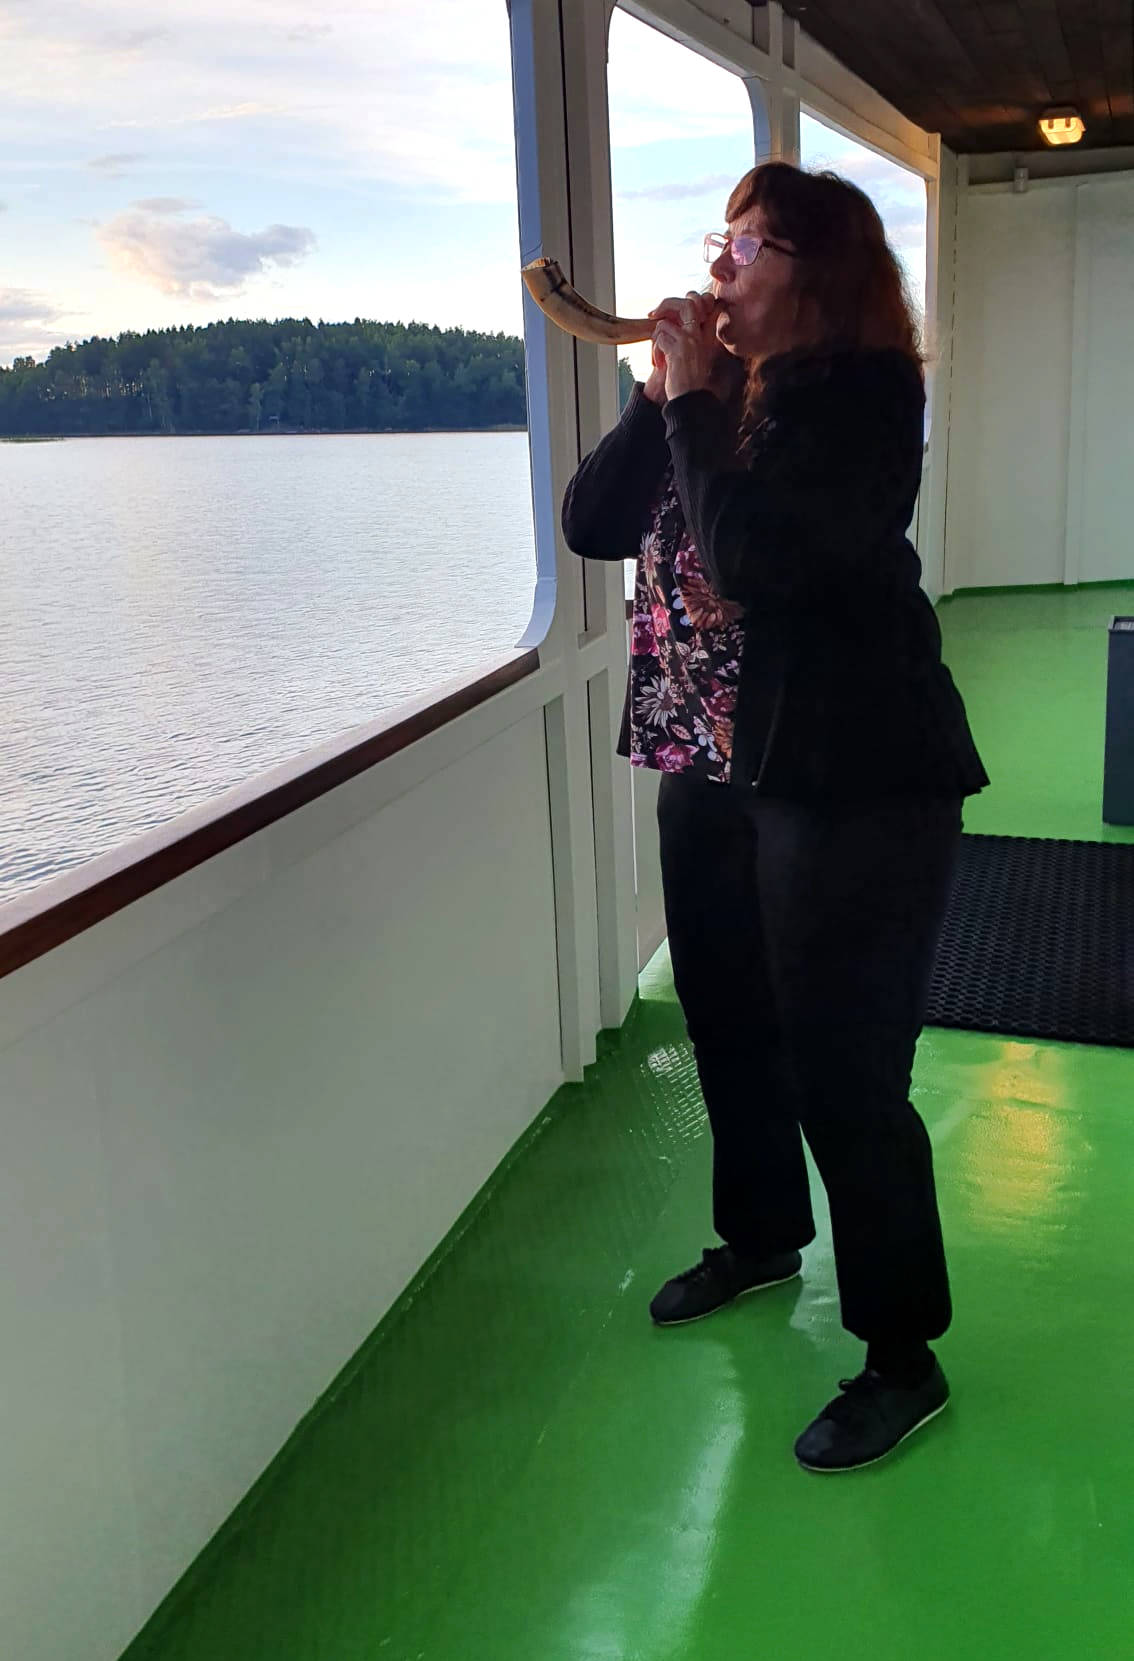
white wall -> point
(1011, 374)
(1100, 509)
(237, 1118)
(1042, 427)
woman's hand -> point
(686, 341)
(654, 388)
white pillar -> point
(559, 63)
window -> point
(681, 135)
(247, 253)
(898, 194)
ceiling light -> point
(1063, 126)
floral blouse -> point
(684, 655)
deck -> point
(518, 1467)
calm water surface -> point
(181, 614)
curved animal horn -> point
(553, 294)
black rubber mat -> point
(1039, 941)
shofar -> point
(565, 307)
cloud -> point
(219, 112)
(875, 175)
(198, 259)
(24, 305)
(378, 100)
(903, 228)
(30, 340)
(165, 204)
(131, 40)
(238, 112)
(114, 164)
(27, 319)
(677, 192)
(661, 92)
(309, 31)
(896, 191)
(379, 119)
(824, 149)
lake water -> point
(180, 614)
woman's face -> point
(756, 298)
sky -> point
(205, 159)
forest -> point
(287, 376)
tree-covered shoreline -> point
(259, 377)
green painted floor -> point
(1032, 668)
(523, 1469)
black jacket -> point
(843, 695)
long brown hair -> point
(849, 290)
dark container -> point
(1118, 768)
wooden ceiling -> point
(981, 72)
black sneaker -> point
(720, 1277)
(868, 1421)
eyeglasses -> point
(744, 249)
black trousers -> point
(802, 944)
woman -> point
(786, 680)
